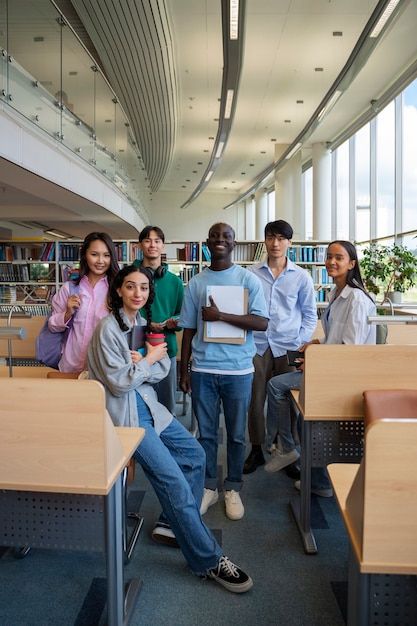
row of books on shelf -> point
(249, 251)
(185, 273)
(319, 275)
(26, 294)
(23, 272)
(190, 252)
(21, 252)
(307, 254)
(322, 295)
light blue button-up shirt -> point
(291, 306)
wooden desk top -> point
(342, 476)
(56, 436)
(14, 474)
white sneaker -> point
(279, 460)
(234, 507)
(210, 497)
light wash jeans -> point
(279, 420)
(166, 389)
(234, 391)
(174, 463)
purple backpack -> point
(49, 345)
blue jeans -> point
(174, 464)
(279, 420)
(166, 389)
(234, 391)
(278, 417)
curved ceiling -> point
(134, 43)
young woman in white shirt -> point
(345, 321)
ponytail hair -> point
(354, 276)
(115, 302)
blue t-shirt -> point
(215, 357)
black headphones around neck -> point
(160, 271)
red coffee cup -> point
(155, 338)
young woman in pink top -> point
(98, 266)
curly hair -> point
(106, 239)
(115, 302)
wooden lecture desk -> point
(61, 464)
(331, 409)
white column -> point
(250, 218)
(288, 194)
(322, 192)
(240, 221)
(261, 209)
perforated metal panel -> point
(393, 600)
(59, 521)
(334, 442)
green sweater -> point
(169, 292)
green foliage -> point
(388, 268)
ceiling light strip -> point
(234, 20)
(384, 18)
(232, 66)
(356, 61)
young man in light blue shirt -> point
(292, 312)
(221, 372)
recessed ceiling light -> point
(337, 33)
(319, 69)
(273, 139)
(287, 121)
(299, 101)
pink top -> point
(93, 308)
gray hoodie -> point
(110, 362)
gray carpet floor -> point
(290, 588)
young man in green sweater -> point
(166, 307)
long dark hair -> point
(354, 276)
(115, 302)
(106, 239)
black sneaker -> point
(230, 576)
(163, 533)
(254, 460)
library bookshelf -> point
(31, 272)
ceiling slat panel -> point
(134, 42)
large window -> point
(342, 191)
(362, 184)
(385, 171)
(409, 216)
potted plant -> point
(388, 269)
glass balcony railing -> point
(47, 75)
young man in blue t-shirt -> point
(221, 371)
